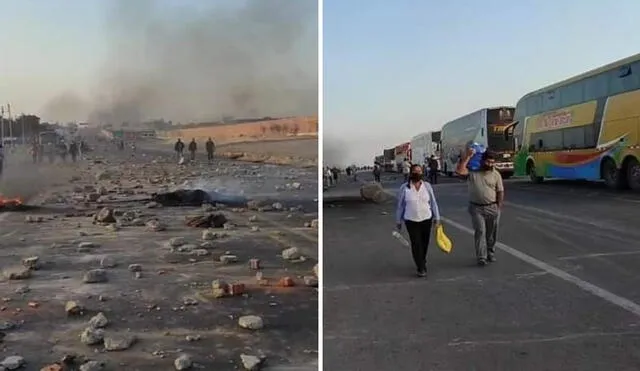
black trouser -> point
(433, 176)
(419, 235)
(210, 155)
(376, 177)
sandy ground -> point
(168, 307)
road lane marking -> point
(598, 255)
(612, 298)
(567, 337)
(595, 290)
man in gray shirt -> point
(486, 196)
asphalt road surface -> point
(563, 295)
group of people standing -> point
(417, 208)
(73, 149)
(179, 147)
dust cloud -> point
(335, 151)
(239, 59)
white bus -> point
(486, 127)
(424, 146)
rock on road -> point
(571, 303)
(135, 288)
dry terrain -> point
(171, 295)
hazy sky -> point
(394, 69)
(127, 58)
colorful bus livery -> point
(585, 128)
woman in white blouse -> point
(418, 209)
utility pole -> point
(1, 124)
(10, 122)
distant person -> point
(210, 147)
(433, 170)
(179, 148)
(121, 145)
(376, 172)
(486, 197)
(418, 210)
(73, 151)
(193, 147)
(35, 151)
(406, 169)
(334, 174)
(348, 170)
(328, 174)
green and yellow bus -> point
(586, 127)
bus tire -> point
(507, 175)
(632, 169)
(533, 175)
(612, 176)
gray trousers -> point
(485, 221)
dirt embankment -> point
(249, 132)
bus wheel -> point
(533, 175)
(612, 176)
(633, 173)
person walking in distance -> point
(210, 147)
(179, 148)
(376, 172)
(193, 147)
(418, 209)
(486, 197)
(433, 170)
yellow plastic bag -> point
(444, 243)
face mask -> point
(487, 167)
(415, 177)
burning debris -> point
(197, 197)
(14, 204)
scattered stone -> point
(95, 276)
(7, 325)
(220, 289)
(286, 282)
(105, 216)
(192, 338)
(310, 281)
(228, 259)
(184, 362)
(207, 221)
(13, 362)
(177, 241)
(32, 263)
(209, 235)
(152, 205)
(292, 253)
(188, 248)
(138, 275)
(52, 367)
(373, 192)
(86, 245)
(277, 206)
(99, 321)
(208, 245)
(114, 343)
(22, 290)
(255, 228)
(135, 268)
(92, 197)
(73, 308)
(199, 252)
(17, 273)
(33, 219)
(315, 223)
(92, 366)
(251, 363)
(254, 264)
(315, 270)
(108, 262)
(253, 218)
(229, 227)
(156, 226)
(92, 336)
(251, 322)
(253, 205)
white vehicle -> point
(423, 146)
(485, 127)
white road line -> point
(584, 285)
(598, 255)
(608, 296)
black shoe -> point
(482, 262)
(491, 258)
(422, 273)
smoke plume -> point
(236, 58)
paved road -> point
(564, 294)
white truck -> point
(486, 127)
(423, 146)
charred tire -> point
(632, 167)
(533, 175)
(612, 176)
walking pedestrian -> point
(486, 197)
(179, 148)
(418, 209)
(210, 146)
(433, 170)
(193, 147)
(376, 172)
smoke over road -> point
(248, 58)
